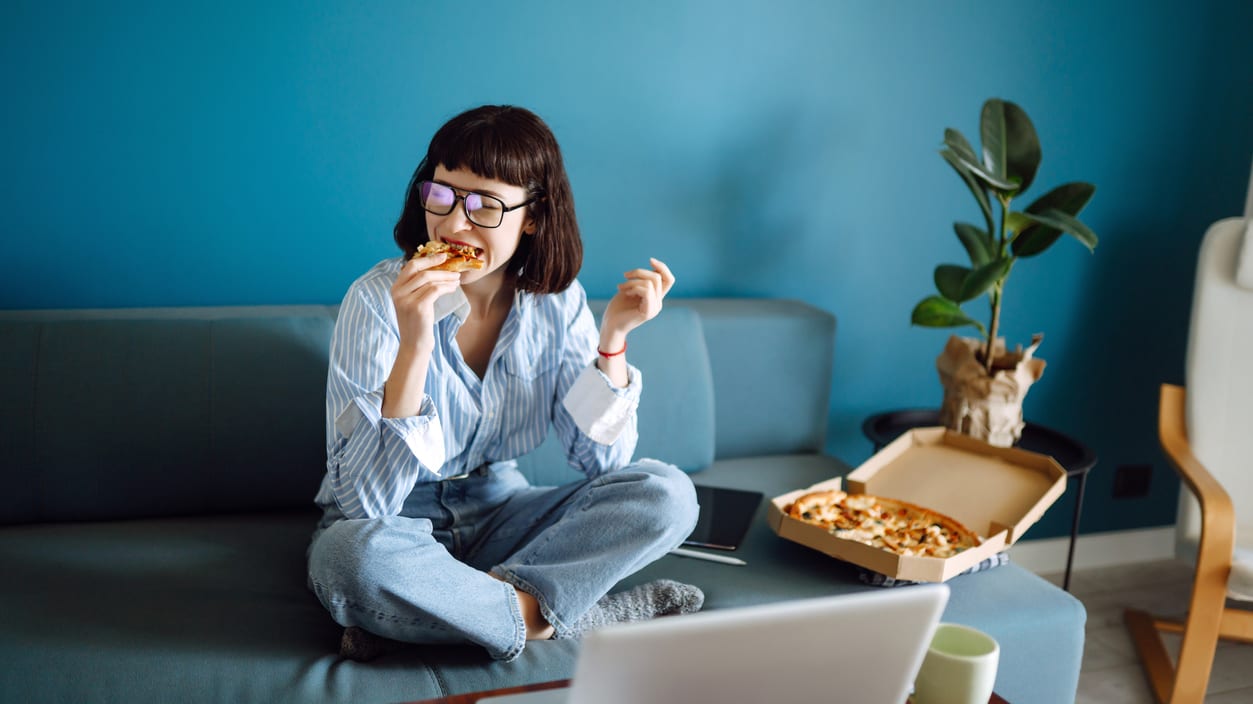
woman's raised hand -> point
(414, 292)
(638, 300)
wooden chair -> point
(1206, 432)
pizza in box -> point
(896, 526)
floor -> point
(1111, 673)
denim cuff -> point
(560, 629)
(519, 631)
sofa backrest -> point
(131, 413)
(148, 412)
(772, 361)
(676, 414)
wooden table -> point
(473, 697)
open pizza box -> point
(998, 492)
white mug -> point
(959, 668)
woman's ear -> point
(529, 227)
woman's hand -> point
(638, 301)
(414, 292)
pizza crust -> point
(889, 524)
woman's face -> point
(498, 243)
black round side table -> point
(1075, 457)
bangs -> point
(498, 145)
(511, 145)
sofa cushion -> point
(771, 363)
(215, 609)
(767, 363)
(676, 413)
(129, 413)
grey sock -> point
(663, 597)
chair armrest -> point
(1218, 518)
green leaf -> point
(949, 279)
(992, 133)
(1022, 146)
(1034, 240)
(981, 279)
(1064, 222)
(981, 172)
(978, 243)
(939, 312)
(977, 189)
(960, 145)
(1069, 198)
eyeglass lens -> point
(480, 209)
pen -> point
(684, 552)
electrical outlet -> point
(1132, 481)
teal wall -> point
(196, 153)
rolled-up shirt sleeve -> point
(372, 462)
(600, 410)
(596, 421)
(422, 433)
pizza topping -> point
(889, 524)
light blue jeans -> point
(426, 576)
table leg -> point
(1074, 527)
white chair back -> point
(1220, 379)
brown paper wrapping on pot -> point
(983, 406)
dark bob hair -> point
(512, 145)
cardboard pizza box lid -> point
(997, 492)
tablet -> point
(725, 515)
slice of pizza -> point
(461, 257)
(819, 507)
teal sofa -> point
(159, 466)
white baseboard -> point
(1048, 556)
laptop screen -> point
(863, 647)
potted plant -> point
(984, 383)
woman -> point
(438, 381)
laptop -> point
(863, 647)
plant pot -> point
(983, 406)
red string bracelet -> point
(607, 355)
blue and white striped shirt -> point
(541, 373)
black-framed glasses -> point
(481, 209)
